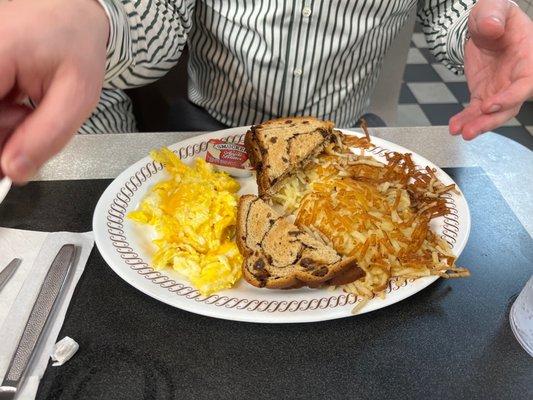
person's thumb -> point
(487, 21)
(68, 102)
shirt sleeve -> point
(146, 39)
(444, 23)
(113, 114)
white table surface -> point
(508, 164)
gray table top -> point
(452, 340)
(508, 164)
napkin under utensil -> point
(37, 251)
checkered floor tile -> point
(431, 94)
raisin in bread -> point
(279, 146)
(279, 255)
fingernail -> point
(21, 166)
(496, 19)
(495, 108)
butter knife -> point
(8, 271)
(51, 289)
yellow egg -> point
(194, 213)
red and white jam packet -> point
(229, 157)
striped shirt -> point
(251, 60)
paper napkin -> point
(37, 251)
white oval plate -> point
(5, 185)
(127, 249)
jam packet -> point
(229, 157)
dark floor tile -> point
(460, 91)
(440, 114)
(525, 116)
(430, 57)
(406, 96)
(420, 73)
(518, 134)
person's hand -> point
(498, 67)
(54, 52)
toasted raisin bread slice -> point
(279, 255)
(279, 146)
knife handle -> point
(50, 290)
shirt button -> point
(306, 11)
(298, 72)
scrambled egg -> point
(194, 213)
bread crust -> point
(257, 149)
(298, 276)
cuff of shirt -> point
(456, 40)
(119, 51)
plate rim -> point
(258, 317)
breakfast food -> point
(280, 146)
(278, 255)
(328, 213)
(194, 213)
(376, 213)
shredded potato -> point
(377, 212)
(194, 214)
